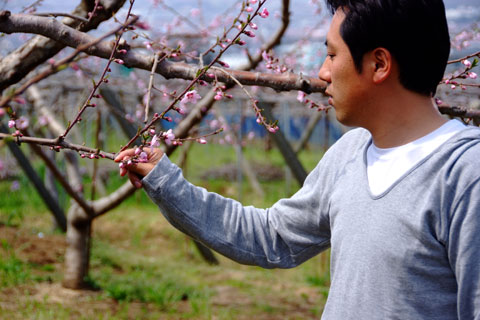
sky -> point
(462, 14)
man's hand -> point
(137, 170)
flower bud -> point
(467, 63)
(264, 13)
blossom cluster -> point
(272, 63)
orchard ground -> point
(143, 268)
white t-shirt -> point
(386, 166)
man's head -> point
(415, 32)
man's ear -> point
(381, 61)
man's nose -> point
(324, 72)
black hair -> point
(414, 31)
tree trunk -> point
(78, 248)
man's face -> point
(346, 87)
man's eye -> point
(330, 56)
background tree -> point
(65, 83)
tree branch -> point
(74, 38)
(459, 111)
(37, 50)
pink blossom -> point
(151, 132)
(447, 81)
(11, 123)
(301, 96)
(129, 118)
(253, 1)
(259, 120)
(120, 165)
(467, 63)
(273, 129)
(138, 151)
(253, 26)
(19, 100)
(154, 143)
(265, 56)
(264, 13)
(248, 9)
(181, 110)
(43, 120)
(202, 141)
(92, 156)
(223, 64)
(142, 25)
(143, 157)
(472, 75)
(453, 86)
(148, 45)
(169, 135)
(241, 42)
(119, 61)
(218, 96)
(191, 96)
(249, 33)
(195, 12)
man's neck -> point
(408, 118)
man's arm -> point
(285, 235)
(464, 251)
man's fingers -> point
(125, 154)
(134, 179)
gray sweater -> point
(411, 253)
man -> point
(397, 200)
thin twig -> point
(58, 145)
(199, 75)
(102, 77)
(54, 67)
(476, 54)
(59, 14)
(150, 85)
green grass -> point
(145, 269)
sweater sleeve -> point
(283, 236)
(464, 251)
